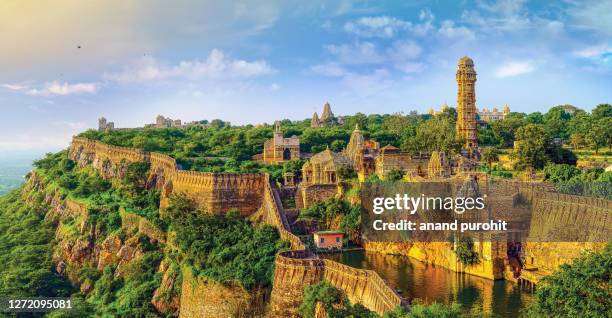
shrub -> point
(464, 251)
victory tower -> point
(466, 106)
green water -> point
(436, 284)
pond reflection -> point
(436, 284)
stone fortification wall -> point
(563, 217)
(313, 193)
(298, 268)
(214, 192)
(220, 192)
(563, 227)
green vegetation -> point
(128, 295)
(26, 245)
(590, 182)
(465, 251)
(102, 198)
(394, 175)
(490, 155)
(565, 122)
(336, 214)
(231, 250)
(435, 310)
(579, 289)
(334, 302)
(336, 305)
(228, 248)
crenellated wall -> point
(214, 192)
(295, 270)
(220, 192)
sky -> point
(65, 63)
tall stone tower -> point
(466, 106)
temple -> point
(280, 149)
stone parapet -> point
(213, 192)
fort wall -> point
(213, 192)
(315, 193)
(561, 228)
(564, 226)
(297, 268)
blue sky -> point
(65, 63)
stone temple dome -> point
(466, 61)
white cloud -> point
(368, 53)
(387, 27)
(595, 15)
(216, 66)
(72, 125)
(410, 67)
(402, 50)
(501, 15)
(514, 68)
(329, 69)
(380, 26)
(357, 53)
(63, 89)
(14, 87)
(275, 87)
(449, 30)
(368, 83)
(596, 51)
(426, 25)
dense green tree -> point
(534, 118)
(556, 120)
(435, 310)
(490, 155)
(436, 134)
(560, 172)
(531, 148)
(228, 249)
(334, 302)
(579, 289)
(504, 130)
(602, 111)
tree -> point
(602, 111)
(436, 134)
(560, 172)
(504, 130)
(531, 146)
(333, 300)
(597, 135)
(579, 289)
(490, 155)
(338, 145)
(556, 119)
(394, 175)
(576, 140)
(534, 118)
